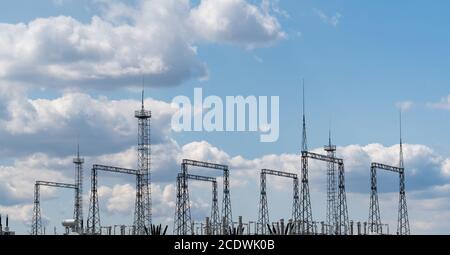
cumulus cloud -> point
(234, 21)
(17, 181)
(52, 125)
(155, 38)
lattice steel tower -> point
(332, 215)
(403, 220)
(36, 224)
(306, 219)
(143, 206)
(78, 208)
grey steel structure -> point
(36, 224)
(143, 205)
(93, 222)
(342, 227)
(78, 207)
(332, 215)
(306, 218)
(263, 219)
(374, 210)
(182, 223)
(214, 223)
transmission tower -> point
(78, 208)
(332, 215)
(36, 224)
(263, 219)
(182, 223)
(215, 217)
(263, 214)
(403, 220)
(306, 218)
(93, 222)
(143, 205)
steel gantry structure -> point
(374, 211)
(143, 206)
(374, 208)
(182, 223)
(93, 222)
(213, 227)
(342, 211)
(341, 224)
(263, 220)
(78, 207)
(36, 224)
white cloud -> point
(444, 104)
(330, 20)
(405, 105)
(17, 212)
(95, 120)
(156, 38)
(122, 199)
(446, 168)
(234, 21)
(17, 181)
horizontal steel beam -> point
(387, 167)
(204, 164)
(115, 169)
(56, 184)
(320, 157)
(199, 178)
(279, 173)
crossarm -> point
(322, 157)
(56, 184)
(387, 167)
(279, 173)
(115, 169)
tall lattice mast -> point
(143, 210)
(403, 220)
(78, 208)
(332, 216)
(305, 201)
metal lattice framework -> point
(332, 215)
(36, 224)
(143, 205)
(93, 222)
(342, 227)
(215, 217)
(182, 223)
(263, 219)
(374, 211)
(306, 218)
(78, 207)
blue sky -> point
(359, 61)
